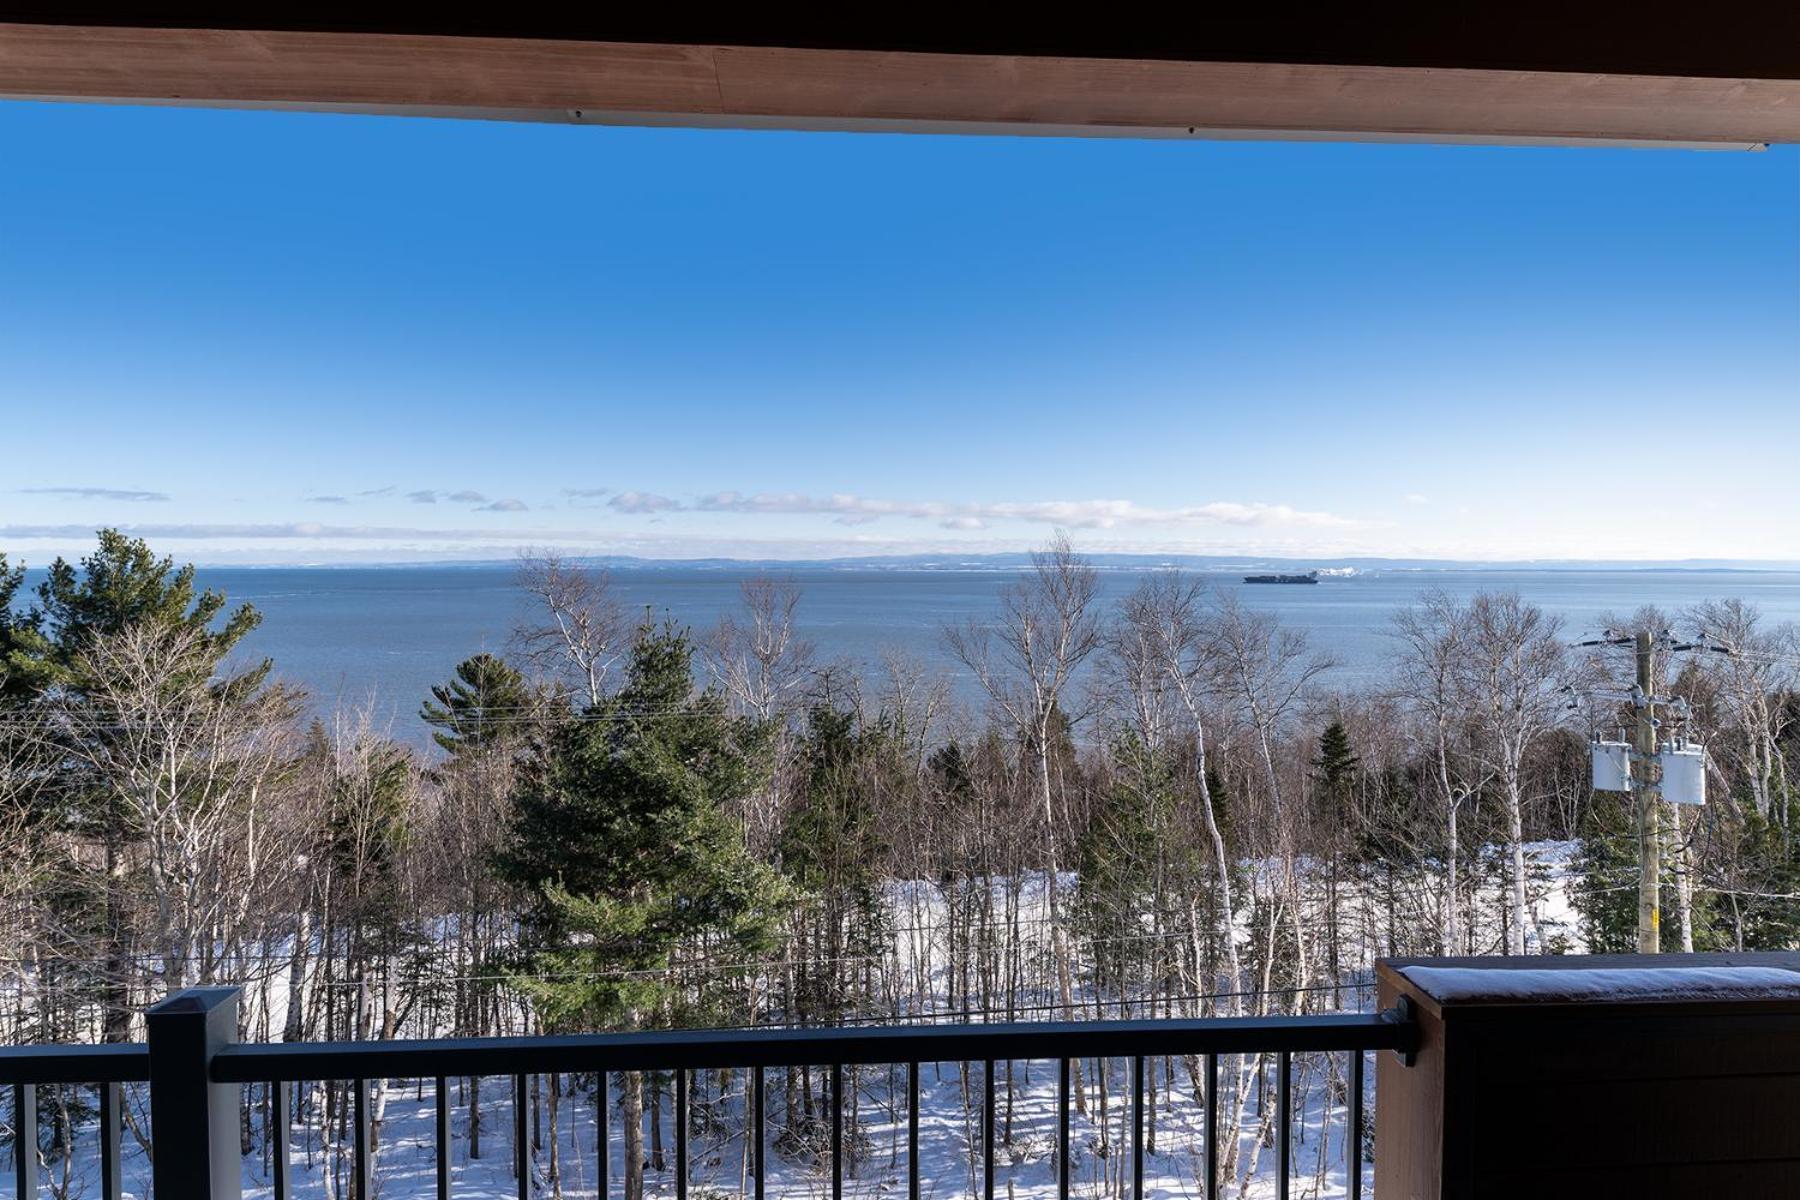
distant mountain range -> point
(1138, 562)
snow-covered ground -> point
(950, 1121)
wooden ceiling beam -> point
(659, 83)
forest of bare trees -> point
(1158, 808)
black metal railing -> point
(27, 1068)
(196, 1071)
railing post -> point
(25, 1140)
(111, 1182)
(193, 1121)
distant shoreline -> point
(1006, 562)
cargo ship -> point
(1309, 577)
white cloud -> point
(98, 493)
(644, 502)
(850, 509)
(504, 506)
(277, 531)
(327, 500)
(468, 496)
(1415, 498)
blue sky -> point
(289, 337)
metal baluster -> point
(1062, 1129)
(109, 1141)
(912, 1131)
(987, 1138)
(1356, 1124)
(1212, 1127)
(443, 1138)
(681, 1133)
(602, 1146)
(25, 1140)
(521, 1139)
(363, 1184)
(1137, 1128)
(1284, 1133)
(758, 1082)
(281, 1107)
(837, 1131)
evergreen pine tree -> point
(16, 631)
(1760, 911)
(121, 585)
(635, 866)
(1335, 768)
(1118, 863)
(488, 701)
(832, 848)
(628, 851)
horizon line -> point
(1102, 558)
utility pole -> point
(1648, 797)
(1645, 776)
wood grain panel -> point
(1254, 96)
(338, 69)
(1409, 1107)
(704, 84)
(1487, 37)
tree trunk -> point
(554, 1095)
(474, 1117)
(631, 1115)
(1515, 818)
(657, 1162)
(1684, 884)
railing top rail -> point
(111, 1062)
(709, 1048)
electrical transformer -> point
(1683, 774)
(1612, 766)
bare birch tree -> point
(1163, 629)
(577, 633)
(1432, 679)
(760, 661)
(765, 670)
(1266, 672)
(1026, 665)
(1167, 647)
(1517, 673)
(1754, 672)
(190, 760)
(915, 699)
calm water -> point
(354, 636)
(386, 635)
